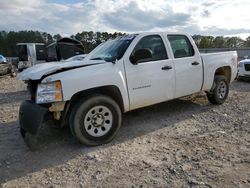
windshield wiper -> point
(112, 60)
(97, 58)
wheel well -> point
(111, 91)
(224, 71)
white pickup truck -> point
(121, 75)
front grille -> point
(247, 67)
(32, 86)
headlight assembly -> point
(49, 92)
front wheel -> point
(95, 120)
(219, 91)
(30, 139)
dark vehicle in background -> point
(30, 54)
(64, 49)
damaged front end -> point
(32, 117)
(36, 119)
(46, 102)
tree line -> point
(220, 42)
(90, 40)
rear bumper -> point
(31, 116)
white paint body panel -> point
(213, 61)
(80, 79)
(188, 77)
(147, 83)
(39, 70)
(142, 84)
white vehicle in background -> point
(244, 69)
(121, 75)
(2, 59)
(30, 54)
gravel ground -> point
(181, 143)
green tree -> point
(90, 40)
(234, 42)
(57, 37)
(206, 42)
(219, 42)
(247, 42)
(197, 39)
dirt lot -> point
(182, 143)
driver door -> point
(150, 80)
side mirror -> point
(140, 55)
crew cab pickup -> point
(121, 75)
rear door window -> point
(181, 46)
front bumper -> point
(31, 117)
(243, 73)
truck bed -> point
(212, 61)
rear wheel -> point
(95, 120)
(219, 91)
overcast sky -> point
(67, 17)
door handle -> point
(167, 67)
(195, 63)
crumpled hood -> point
(43, 69)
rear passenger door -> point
(188, 65)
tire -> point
(219, 91)
(95, 120)
(30, 140)
(42, 137)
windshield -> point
(112, 50)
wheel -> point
(95, 120)
(219, 91)
(42, 136)
(30, 140)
